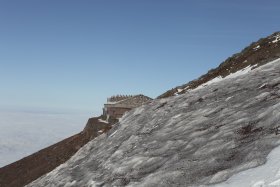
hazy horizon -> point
(25, 132)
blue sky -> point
(73, 54)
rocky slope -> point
(34, 166)
(201, 137)
(256, 54)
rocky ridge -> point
(255, 55)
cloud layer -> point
(23, 133)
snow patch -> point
(275, 183)
(257, 47)
(69, 184)
(227, 99)
(113, 133)
(179, 90)
(277, 38)
(241, 72)
(102, 121)
(263, 86)
(230, 76)
(92, 183)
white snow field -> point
(230, 76)
(203, 137)
(267, 175)
(25, 132)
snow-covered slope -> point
(198, 138)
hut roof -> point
(128, 102)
